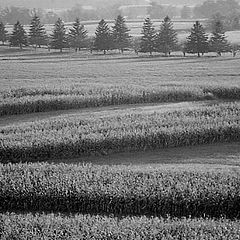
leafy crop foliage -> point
(118, 190)
(76, 136)
(51, 226)
(21, 101)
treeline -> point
(226, 11)
(164, 40)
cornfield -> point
(119, 191)
(77, 136)
(22, 101)
(50, 226)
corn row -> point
(50, 226)
(119, 191)
(82, 136)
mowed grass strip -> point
(29, 226)
(76, 136)
(120, 191)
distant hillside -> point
(69, 3)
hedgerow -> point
(76, 136)
(118, 190)
(29, 226)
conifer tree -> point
(148, 38)
(166, 40)
(59, 40)
(197, 42)
(103, 39)
(3, 33)
(19, 36)
(37, 33)
(77, 35)
(218, 42)
(120, 34)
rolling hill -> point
(68, 4)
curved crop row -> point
(22, 101)
(86, 227)
(81, 136)
(119, 191)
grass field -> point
(149, 146)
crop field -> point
(119, 146)
(49, 83)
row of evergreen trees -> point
(164, 40)
(106, 38)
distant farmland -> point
(182, 26)
(134, 25)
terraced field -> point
(119, 147)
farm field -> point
(119, 146)
(72, 81)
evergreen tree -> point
(59, 40)
(37, 33)
(77, 35)
(218, 42)
(197, 42)
(3, 33)
(19, 36)
(148, 38)
(166, 40)
(120, 34)
(103, 39)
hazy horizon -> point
(55, 4)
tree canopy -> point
(59, 40)
(77, 35)
(120, 34)
(37, 33)
(166, 39)
(19, 36)
(148, 38)
(103, 39)
(197, 41)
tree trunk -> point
(104, 51)
(61, 50)
(199, 54)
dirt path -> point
(103, 111)
(212, 154)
